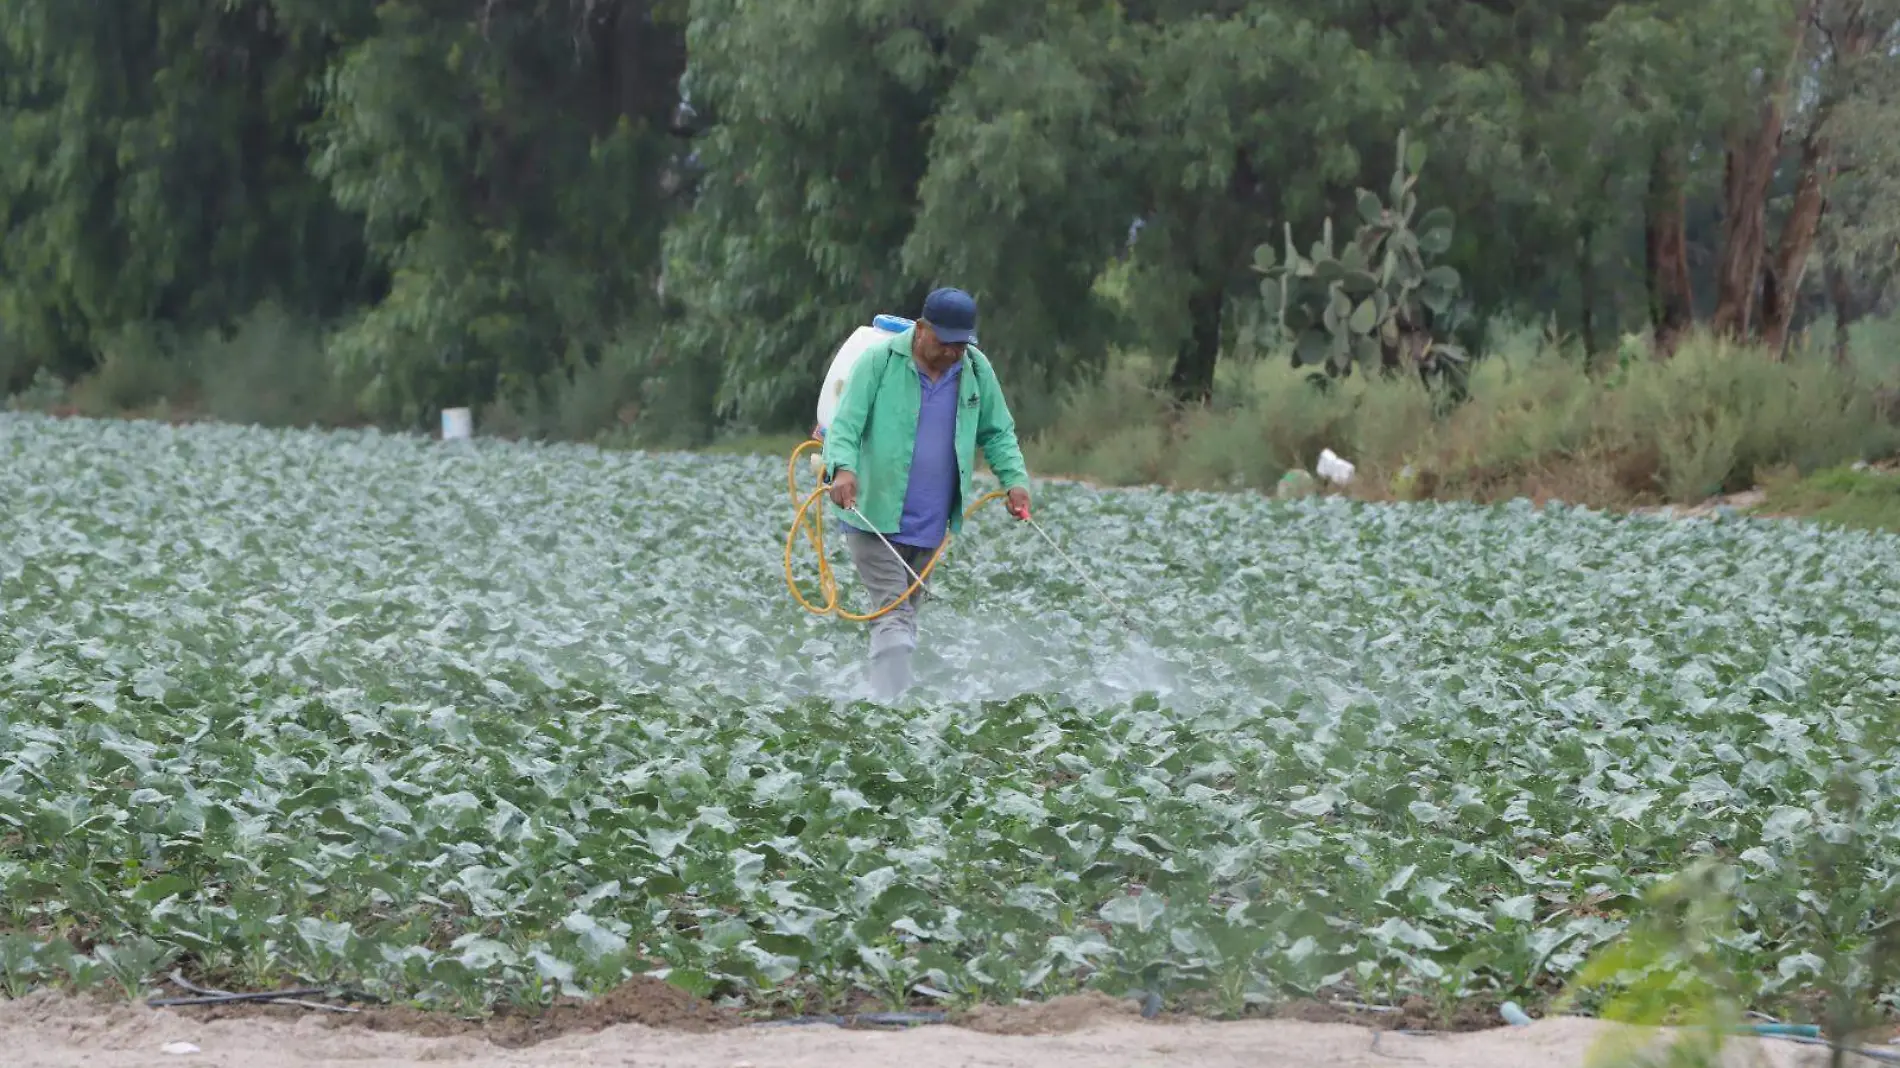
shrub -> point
(1535, 421)
(271, 370)
(138, 370)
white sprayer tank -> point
(861, 341)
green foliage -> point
(817, 137)
(271, 369)
(1235, 138)
(542, 208)
(154, 173)
(1372, 302)
(1672, 968)
(639, 392)
(514, 171)
(461, 721)
(1682, 963)
(1535, 421)
(1008, 149)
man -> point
(900, 452)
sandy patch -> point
(50, 1031)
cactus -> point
(1373, 301)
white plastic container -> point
(457, 424)
(1333, 469)
(846, 359)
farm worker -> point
(900, 451)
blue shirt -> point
(934, 478)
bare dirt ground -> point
(55, 1031)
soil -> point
(1416, 1014)
(48, 1030)
(643, 1000)
(1055, 1017)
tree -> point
(1237, 141)
(1008, 149)
(513, 163)
(1839, 39)
(815, 138)
(1859, 239)
(154, 172)
(1762, 87)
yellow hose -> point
(812, 524)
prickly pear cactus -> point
(1373, 300)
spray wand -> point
(1081, 573)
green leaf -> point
(1359, 283)
(1139, 911)
(1264, 259)
(152, 891)
(1439, 218)
(1339, 355)
(1272, 294)
(473, 769)
(597, 939)
(1369, 207)
(1312, 348)
(1364, 318)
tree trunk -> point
(1748, 171)
(1783, 283)
(1746, 175)
(1666, 253)
(1218, 246)
(1587, 281)
(1193, 378)
(1841, 295)
(1853, 35)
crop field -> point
(469, 724)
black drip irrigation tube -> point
(863, 1019)
(229, 999)
(209, 996)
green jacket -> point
(874, 431)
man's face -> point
(935, 352)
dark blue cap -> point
(951, 313)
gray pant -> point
(894, 634)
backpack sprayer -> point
(808, 519)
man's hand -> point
(844, 490)
(1019, 503)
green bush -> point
(1535, 417)
(635, 392)
(1535, 421)
(1082, 439)
(138, 371)
(271, 370)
